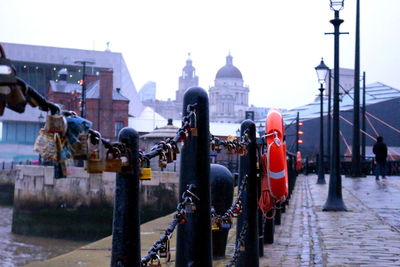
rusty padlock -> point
(113, 160)
(162, 161)
(80, 148)
(95, 164)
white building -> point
(229, 98)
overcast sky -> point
(275, 44)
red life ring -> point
(276, 156)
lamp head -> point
(337, 5)
(322, 71)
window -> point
(118, 126)
(19, 132)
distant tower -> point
(187, 80)
(229, 98)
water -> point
(17, 250)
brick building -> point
(105, 107)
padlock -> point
(95, 164)
(124, 157)
(113, 160)
(169, 153)
(155, 262)
(165, 249)
(56, 124)
(162, 161)
(214, 224)
(80, 148)
(146, 174)
(226, 224)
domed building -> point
(229, 98)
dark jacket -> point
(380, 151)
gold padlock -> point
(80, 148)
(146, 174)
(113, 160)
(94, 163)
(214, 224)
(193, 125)
(169, 153)
(162, 161)
(56, 124)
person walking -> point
(380, 151)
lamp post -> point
(83, 97)
(334, 201)
(355, 161)
(322, 71)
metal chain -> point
(180, 217)
(234, 146)
(170, 145)
(235, 209)
(240, 242)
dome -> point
(229, 71)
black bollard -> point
(248, 166)
(278, 215)
(221, 200)
(259, 212)
(193, 246)
(126, 221)
(269, 228)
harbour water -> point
(17, 250)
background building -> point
(173, 108)
(382, 118)
(229, 98)
(106, 108)
(148, 91)
(37, 65)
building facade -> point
(229, 97)
(37, 65)
(106, 108)
(173, 108)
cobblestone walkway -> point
(368, 234)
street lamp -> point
(334, 201)
(83, 96)
(322, 71)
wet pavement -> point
(368, 234)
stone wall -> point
(81, 206)
(7, 178)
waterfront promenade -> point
(368, 234)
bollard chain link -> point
(188, 198)
(222, 221)
(232, 145)
(167, 149)
(239, 247)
